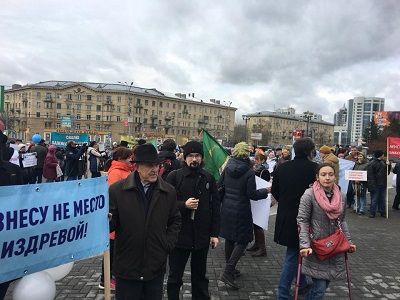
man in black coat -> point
(377, 182)
(290, 181)
(146, 220)
(199, 206)
(72, 156)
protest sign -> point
(49, 224)
(29, 160)
(260, 209)
(355, 175)
(393, 147)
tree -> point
(239, 134)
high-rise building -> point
(340, 117)
(360, 113)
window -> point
(137, 101)
(78, 116)
(58, 106)
(89, 97)
(88, 107)
(160, 103)
(98, 117)
(58, 116)
(173, 106)
(118, 108)
(119, 99)
(88, 117)
(37, 104)
(146, 111)
(47, 124)
(78, 106)
(375, 107)
(78, 126)
(118, 118)
(98, 98)
(144, 121)
(87, 126)
(146, 102)
(48, 105)
(153, 103)
(79, 97)
(108, 98)
(97, 126)
(69, 96)
(58, 125)
(38, 114)
(47, 115)
(98, 107)
(69, 106)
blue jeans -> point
(378, 200)
(361, 201)
(318, 289)
(289, 272)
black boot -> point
(228, 278)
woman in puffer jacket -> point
(321, 209)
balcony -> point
(153, 117)
(138, 105)
(167, 118)
(48, 99)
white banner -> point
(29, 160)
(355, 175)
(260, 209)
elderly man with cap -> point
(145, 217)
(199, 206)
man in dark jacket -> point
(290, 181)
(376, 183)
(72, 156)
(168, 158)
(146, 220)
(41, 152)
(199, 206)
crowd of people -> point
(164, 204)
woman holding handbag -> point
(321, 215)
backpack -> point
(93, 167)
(165, 168)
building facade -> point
(112, 110)
(360, 113)
(277, 129)
(340, 118)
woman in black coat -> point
(239, 186)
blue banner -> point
(49, 224)
(61, 139)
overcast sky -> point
(261, 55)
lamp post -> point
(246, 118)
(308, 116)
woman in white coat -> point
(93, 157)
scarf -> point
(333, 209)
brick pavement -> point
(375, 270)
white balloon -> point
(36, 286)
(61, 271)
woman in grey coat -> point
(321, 208)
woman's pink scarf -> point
(333, 209)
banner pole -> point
(387, 177)
(107, 275)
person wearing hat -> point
(145, 217)
(199, 205)
(167, 155)
(376, 183)
(239, 185)
(328, 157)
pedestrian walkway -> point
(375, 267)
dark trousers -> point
(198, 267)
(37, 175)
(3, 289)
(233, 252)
(350, 195)
(111, 261)
(96, 174)
(139, 290)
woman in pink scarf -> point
(50, 165)
(321, 208)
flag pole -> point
(387, 176)
(107, 275)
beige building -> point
(109, 111)
(277, 128)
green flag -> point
(214, 155)
(1, 98)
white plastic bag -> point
(394, 180)
(59, 171)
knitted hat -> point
(241, 150)
(192, 147)
(325, 149)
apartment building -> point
(106, 110)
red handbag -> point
(331, 245)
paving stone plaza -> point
(374, 267)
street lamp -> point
(246, 118)
(308, 116)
